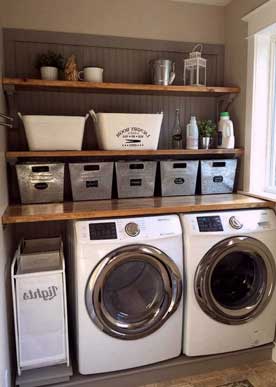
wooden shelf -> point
(128, 207)
(39, 84)
(96, 153)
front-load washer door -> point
(133, 291)
(235, 280)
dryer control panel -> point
(230, 222)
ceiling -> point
(221, 3)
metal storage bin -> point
(178, 177)
(40, 183)
(135, 178)
(91, 181)
(39, 304)
(218, 176)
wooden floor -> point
(257, 374)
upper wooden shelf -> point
(141, 153)
(39, 84)
(129, 207)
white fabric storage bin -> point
(119, 131)
(39, 302)
(54, 132)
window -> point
(260, 130)
(270, 183)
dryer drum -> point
(133, 291)
(235, 280)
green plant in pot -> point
(49, 64)
(207, 131)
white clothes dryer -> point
(127, 280)
(229, 259)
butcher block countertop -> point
(129, 207)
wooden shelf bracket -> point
(10, 91)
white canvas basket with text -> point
(127, 131)
(39, 302)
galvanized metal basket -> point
(178, 177)
(135, 178)
(40, 183)
(218, 176)
(91, 181)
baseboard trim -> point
(171, 369)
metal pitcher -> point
(162, 71)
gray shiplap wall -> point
(66, 103)
(124, 60)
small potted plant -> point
(49, 64)
(207, 131)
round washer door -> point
(133, 291)
(235, 280)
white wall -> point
(236, 61)
(5, 371)
(236, 56)
(4, 250)
(150, 19)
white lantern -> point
(195, 68)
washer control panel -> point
(132, 229)
(138, 229)
(209, 223)
(101, 231)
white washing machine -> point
(229, 259)
(127, 280)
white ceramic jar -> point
(49, 73)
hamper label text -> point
(45, 294)
(133, 131)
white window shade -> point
(271, 132)
(256, 139)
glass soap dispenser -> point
(177, 137)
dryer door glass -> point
(133, 291)
(235, 280)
